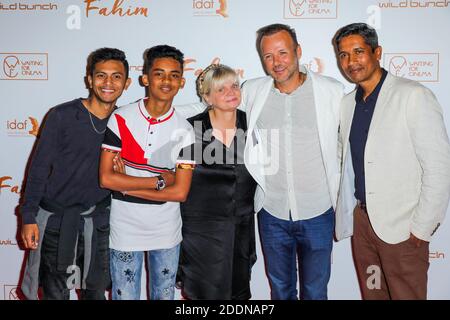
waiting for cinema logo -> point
(24, 66)
(310, 9)
(423, 67)
(10, 292)
(210, 8)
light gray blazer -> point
(407, 164)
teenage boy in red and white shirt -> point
(145, 212)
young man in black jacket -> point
(65, 213)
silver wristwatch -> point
(161, 183)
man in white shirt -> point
(296, 217)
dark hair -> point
(103, 54)
(272, 29)
(162, 51)
(368, 33)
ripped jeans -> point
(126, 270)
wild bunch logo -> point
(210, 8)
(414, 4)
(24, 66)
(310, 9)
(120, 8)
(422, 67)
(28, 7)
(8, 242)
(22, 128)
(5, 185)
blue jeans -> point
(311, 240)
(126, 271)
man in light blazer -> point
(395, 182)
(291, 152)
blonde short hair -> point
(214, 76)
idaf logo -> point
(423, 67)
(22, 128)
(310, 9)
(210, 8)
(24, 66)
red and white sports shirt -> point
(148, 146)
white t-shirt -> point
(149, 146)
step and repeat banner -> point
(44, 45)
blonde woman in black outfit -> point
(218, 248)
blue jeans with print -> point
(126, 271)
(311, 240)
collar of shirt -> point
(374, 94)
(151, 119)
(293, 93)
